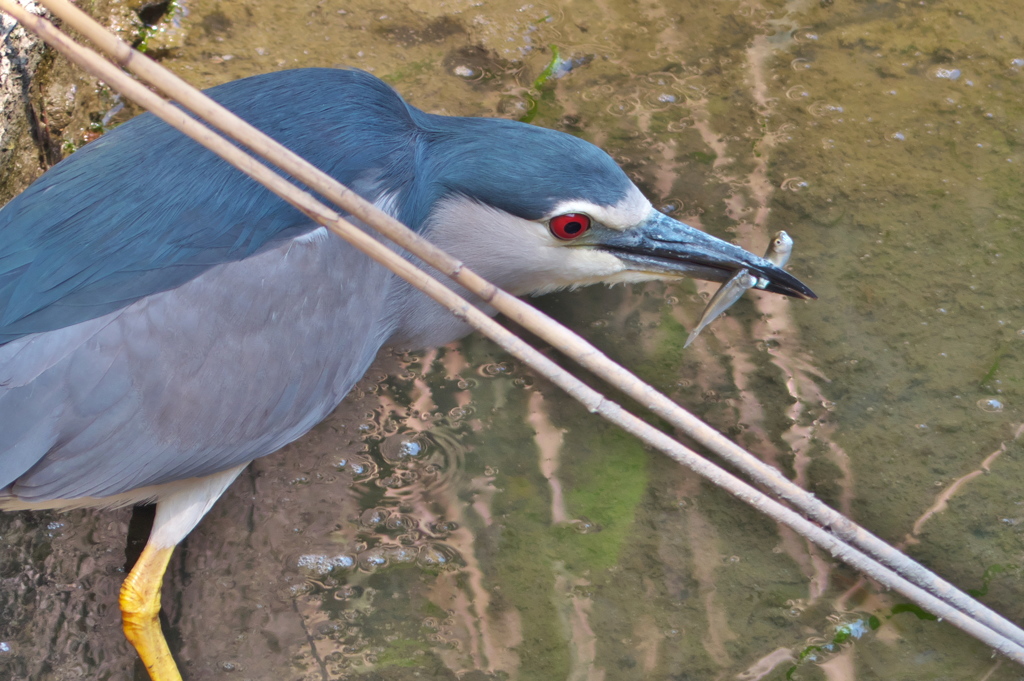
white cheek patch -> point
(518, 255)
(522, 256)
(578, 267)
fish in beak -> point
(779, 250)
(666, 246)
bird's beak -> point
(665, 246)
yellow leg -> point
(140, 613)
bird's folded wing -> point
(144, 209)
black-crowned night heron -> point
(164, 320)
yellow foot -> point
(140, 611)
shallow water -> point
(458, 518)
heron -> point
(164, 320)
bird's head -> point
(537, 210)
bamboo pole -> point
(586, 354)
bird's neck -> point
(420, 322)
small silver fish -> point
(779, 250)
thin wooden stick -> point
(462, 309)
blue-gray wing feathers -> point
(158, 318)
(144, 209)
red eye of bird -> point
(570, 225)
